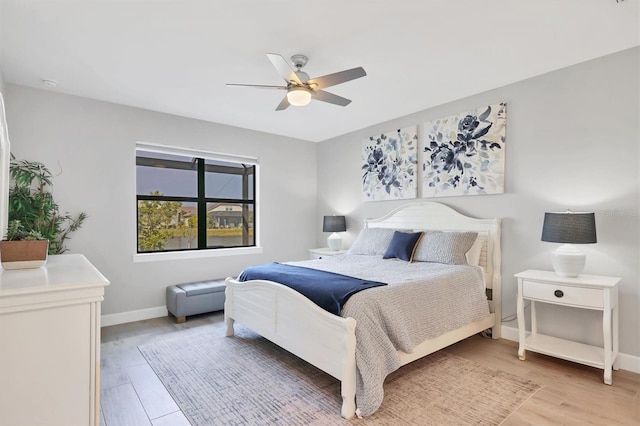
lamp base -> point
(334, 241)
(568, 261)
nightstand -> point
(319, 253)
(586, 292)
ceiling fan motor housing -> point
(299, 61)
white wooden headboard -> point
(436, 216)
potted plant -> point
(23, 249)
(31, 203)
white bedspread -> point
(421, 301)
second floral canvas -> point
(389, 165)
(464, 153)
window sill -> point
(195, 254)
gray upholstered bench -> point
(195, 298)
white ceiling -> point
(176, 56)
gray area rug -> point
(247, 380)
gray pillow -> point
(372, 241)
(444, 247)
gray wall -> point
(93, 143)
(572, 142)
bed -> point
(328, 341)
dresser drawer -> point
(562, 294)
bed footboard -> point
(296, 324)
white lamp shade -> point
(299, 96)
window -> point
(188, 200)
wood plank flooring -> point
(572, 394)
(131, 393)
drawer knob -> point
(558, 293)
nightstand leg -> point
(606, 329)
(534, 318)
(615, 337)
(520, 314)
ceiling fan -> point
(300, 88)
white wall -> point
(572, 142)
(93, 143)
(2, 88)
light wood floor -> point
(572, 394)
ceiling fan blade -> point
(284, 104)
(323, 96)
(336, 78)
(284, 68)
(257, 86)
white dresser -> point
(50, 343)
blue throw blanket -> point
(328, 290)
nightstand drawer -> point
(320, 253)
(564, 295)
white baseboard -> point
(629, 363)
(131, 316)
(625, 361)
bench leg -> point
(179, 320)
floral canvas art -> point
(464, 153)
(389, 169)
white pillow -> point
(372, 241)
(445, 247)
(473, 255)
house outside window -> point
(192, 200)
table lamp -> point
(334, 224)
(569, 228)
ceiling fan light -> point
(299, 96)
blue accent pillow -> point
(403, 245)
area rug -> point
(247, 380)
